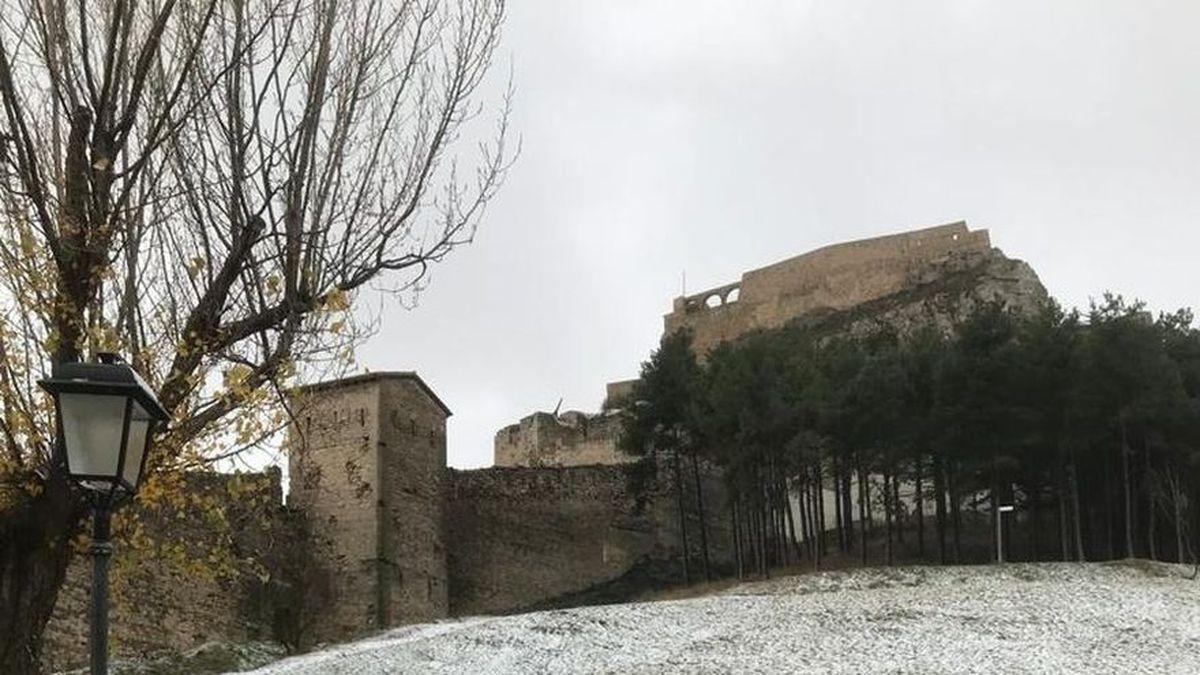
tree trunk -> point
(869, 523)
(920, 499)
(1177, 502)
(897, 511)
(848, 509)
(837, 511)
(1125, 459)
(791, 523)
(1063, 538)
(687, 573)
(862, 512)
(939, 507)
(737, 537)
(803, 505)
(35, 547)
(1151, 512)
(815, 514)
(1106, 504)
(955, 516)
(1073, 478)
(820, 510)
(700, 511)
(887, 518)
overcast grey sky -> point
(721, 136)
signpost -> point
(1004, 508)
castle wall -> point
(834, 277)
(367, 460)
(160, 602)
(335, 479)
(570, 439)
(520, 536)
(412, 442)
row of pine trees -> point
(881, 447)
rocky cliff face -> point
(940, 295)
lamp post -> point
(106, 417)
(1004, 508)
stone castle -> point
(387, 534)
(932, 276)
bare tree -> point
(207, 187)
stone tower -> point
(367, 466)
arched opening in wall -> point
(733, 295)
(712, 301)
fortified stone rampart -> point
(405, 539)
(835, 277)
(522, 536)
(570, 439)
(367, 460)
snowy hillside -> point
(1049, 618)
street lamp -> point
(106, 418)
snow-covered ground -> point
(1045, 618)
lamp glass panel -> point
(139, 426)
(92, 432)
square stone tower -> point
(367, 467)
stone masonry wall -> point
(412, 443)
(520, 536)
(570, 439)
(157, 601)
(835, 277)
(335, 481)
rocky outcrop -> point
(940, 296)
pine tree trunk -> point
(703, 520)
(887, 518)
(1125, 459)
(1073, 477)
(1151, 534)
(820, 510)
(837, 511)
(35, 547)
(1151, 512)
(802, 504)
(764, 560)
(687, 573)
(791, 523)
(848, 509)
(1063, 537)
(862, 512)
(920, 500)
(1177, 502)
(955, 517)
(1106, 504)
(735, 528)
(939, 507)
(815, 510)
(898, 511)
(870, 514)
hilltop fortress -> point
(378, 531)
(927, 277)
